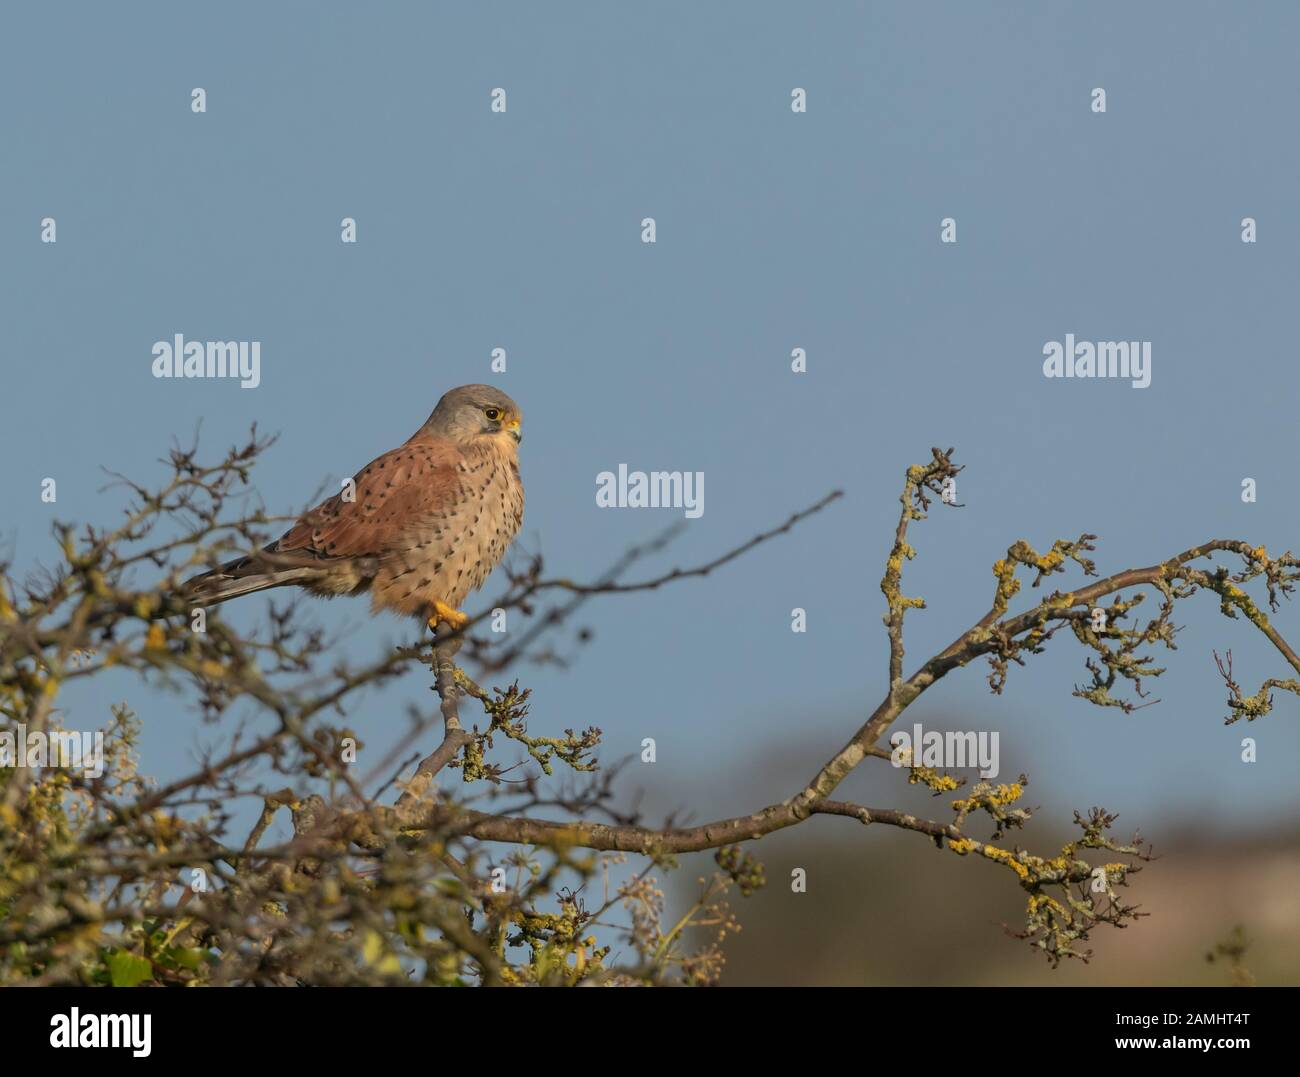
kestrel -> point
(426, 523)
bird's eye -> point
(492, 413)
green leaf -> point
(127, 970)
(375, 952)
(187, 957)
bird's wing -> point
(393, 493)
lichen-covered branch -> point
(380, 874)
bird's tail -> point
(242, 576)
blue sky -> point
(775, 230)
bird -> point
(424, 526)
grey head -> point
(473, 411)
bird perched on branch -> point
(423, 526)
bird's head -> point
(476, 411)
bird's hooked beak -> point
(513, 429)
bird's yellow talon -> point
(443, 612)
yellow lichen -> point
(1001, 856)
(940, 783)
(1038, 900)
